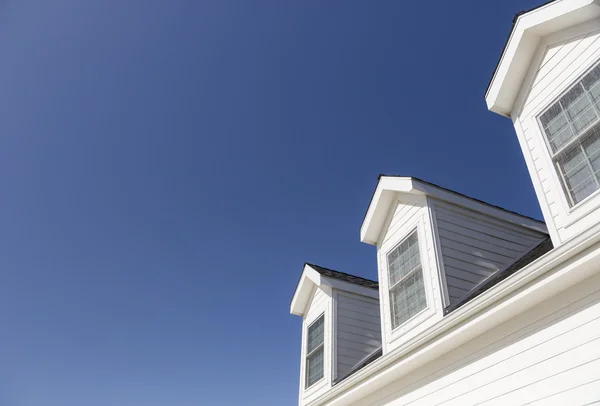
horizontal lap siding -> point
(548, 355)
(474, 246)
(559, 67)
(358, 330)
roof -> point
(528, 29)
(388, 186)
(362, 363)
(461, 194)
(538, 251)
(346, 277)
(514, 22)
(325, 278)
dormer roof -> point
(319, 277)
(389, 187)
(527, 30)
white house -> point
(474, 304)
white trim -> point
(565, 266)
(392, 334)
(389, 186)
(310, 277)
(523, 43)
(437, 251)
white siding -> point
(321, 303)
(548, 355)
(358, 329)
(410, 213)
(474, 246)
(563, 58)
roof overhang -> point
(311, 279)
(527, 31)
(390, 189)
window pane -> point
(573, 124)
(315, 335)
(408, 298)
(580, 166)
(407, 290)
(314, 367)
(404, 259)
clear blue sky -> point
(166, 167)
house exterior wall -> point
(474, 245)
(321, 304)
(408, 214)
(358, 330)
(548, 355)
(560, 60)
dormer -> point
(435, 249)
(548, 82)
(340, 326)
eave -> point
(311, 279)
(390, 188)
(528, 29)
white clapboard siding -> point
(358, 329)
(474, 246)
(320, 304)
(561, 63)
(548, 355)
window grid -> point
(571, 127)
(315, 351)
(407, 288)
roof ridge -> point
(339, 272)
(460, 194)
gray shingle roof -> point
(330, 273)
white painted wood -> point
(549, 355)
(563, 57)
(407, 214)
(321, 303)
(358, 329)
(474, 246)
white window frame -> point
(308, 354)
(412, 230)
(571, 205)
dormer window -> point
(315, 343)
(572, 130)
(407, 288)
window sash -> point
(315, 351)
(409, 253)
(572, 133)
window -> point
(315, 353)
(407, 288)
(572, 130)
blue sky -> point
(166, 168)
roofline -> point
(561, 268)
(512, 28)
(311, 278)
(383, 197)
(343, 273)
(529, 27)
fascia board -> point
(384, 195)
(522, 45)
(308, 280)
